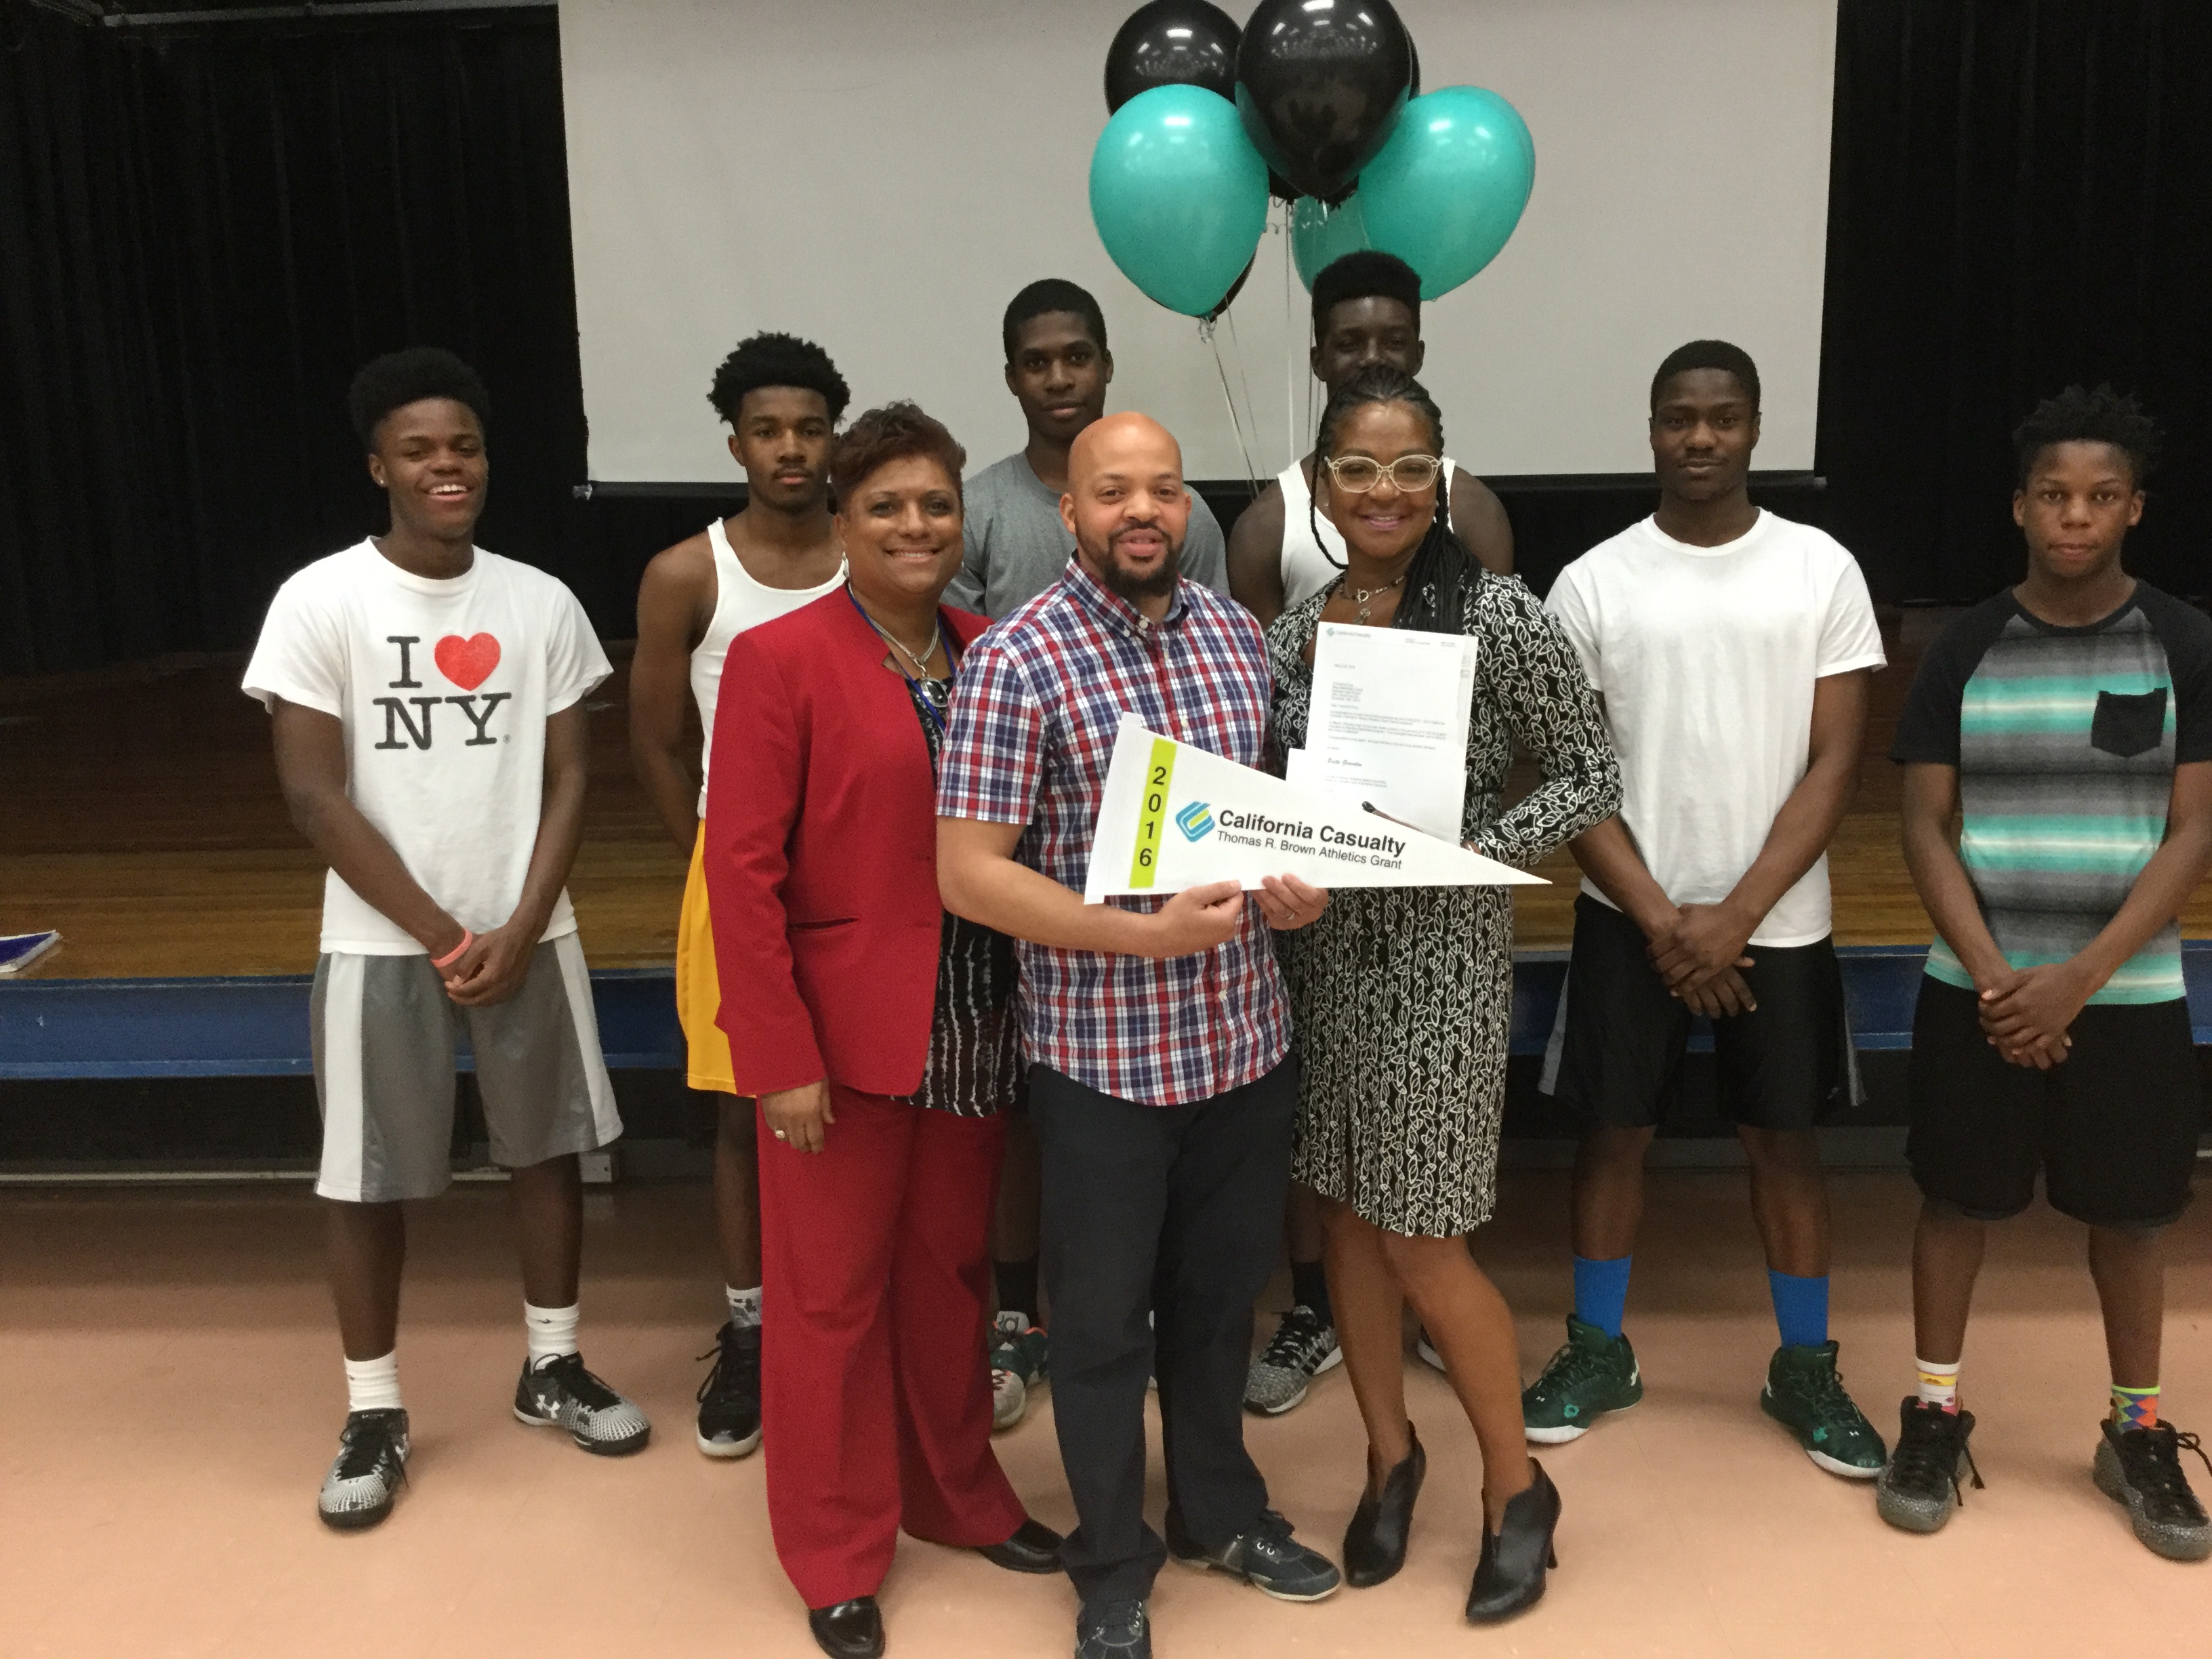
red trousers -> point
(875, 1391)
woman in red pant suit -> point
(878, 1034)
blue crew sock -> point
(1801, 1308)
(1602, 1292)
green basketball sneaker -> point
(1805, 1393)
(1592, 1374)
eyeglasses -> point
(1358, 474)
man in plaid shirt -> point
(1157, 1032)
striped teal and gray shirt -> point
(2065, 739)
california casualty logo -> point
(1195, 821)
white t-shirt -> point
(1705, 657)
(444, 689)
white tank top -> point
(739, 603)
(1306, 568)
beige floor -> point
(172, 1393)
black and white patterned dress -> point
(1402, 998)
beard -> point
(1127, 584)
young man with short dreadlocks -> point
(781, 399)
(2057, 756)
(1732, 649)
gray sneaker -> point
(370, 1468)
(1919, 1489)
(1301, 1349)
(1268, 1558)
(560, 1394)
(2142, 1469)
(1113, 1630)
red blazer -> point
(821, 856)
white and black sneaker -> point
(370, 1468)
(730, 1399)
(1301, 1349)
(560, 1394)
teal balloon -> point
(1321, 235)
(1446, 190)
(1179, 196)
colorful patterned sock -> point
(1800, 1307)
(2135, 1408)
(1939, 1384)
(1602, 1292)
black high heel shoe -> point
(1510, 1576)
(1375, 1542)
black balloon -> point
(1171, 43)
(1235, 288)
(1413, 77)
(1320, 83)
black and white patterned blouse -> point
(974, 1034)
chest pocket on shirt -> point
(2129, 724)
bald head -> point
(1127, 507)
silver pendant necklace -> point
(1363, 597)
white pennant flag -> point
(1176, 817)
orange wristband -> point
(457, 953)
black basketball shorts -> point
(2113, 1130)
(1618, 1043)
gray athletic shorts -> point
(384, 1040)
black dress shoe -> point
(851, 1630)
(1375, 1542)
(1034, 1547)
(1510, 1576)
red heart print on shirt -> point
(467, 662)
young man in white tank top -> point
(1366, 310)
(782, 398)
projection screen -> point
(882, 175)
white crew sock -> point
(745, 1305)
(1939, 1384)
(551, 1331)
(373, 1385)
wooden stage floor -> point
(140, 816)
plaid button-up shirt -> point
(1039, 702)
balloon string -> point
(1291, 354)
(1205, 332)
(1251, 410)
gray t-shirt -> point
(1018, 547)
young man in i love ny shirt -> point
(426, 699)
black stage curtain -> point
(210, 230)
(204, 230)
(2021, 197)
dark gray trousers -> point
(1175, 1211)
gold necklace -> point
(1361, 596)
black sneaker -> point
(729, 1398)
(1267, 1557)
(2142, 1469)
(1113, 1630)
(1920, 1487)
(1301, 1349)
(560, 1394)
(371, 1466)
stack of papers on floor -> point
(20, 951)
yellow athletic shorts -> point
(698, 990)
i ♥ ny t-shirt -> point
(443, 689)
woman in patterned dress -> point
(1402, 998)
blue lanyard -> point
(914, 686)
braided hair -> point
(1442, 569)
